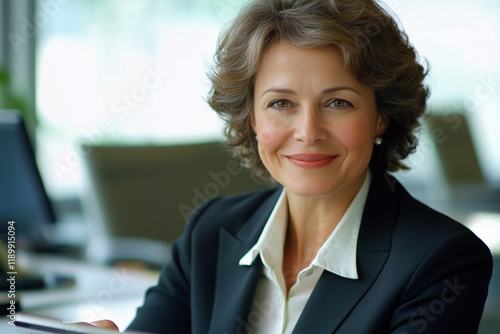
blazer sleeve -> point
(447, 292)
(167, 306)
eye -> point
(280, 104)
(340, 104)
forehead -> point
(285, 64)
(283, 46)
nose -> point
(310, 126)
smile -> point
(311, 161)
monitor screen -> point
(23, 199)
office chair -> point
(140, 196)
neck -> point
(313, 219)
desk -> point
(100, 292)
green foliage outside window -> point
(8, 100)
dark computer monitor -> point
(22, 194)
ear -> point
(382, 123)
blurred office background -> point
(93, 74)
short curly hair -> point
(375, 51)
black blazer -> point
(419, 272)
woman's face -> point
(315, 123)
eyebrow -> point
(292, 92)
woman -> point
(324, 96)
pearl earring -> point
(378, 141)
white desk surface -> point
(99, 293)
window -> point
(134, 71)
(122, 71)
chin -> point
(310, 188)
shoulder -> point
(395, 221)
(422, 233)
(232, 212)
(434, 265)
(426, 223)
(389, 199)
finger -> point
(108, 324)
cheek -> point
(270, 129)
(356, 137)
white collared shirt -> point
(272, 312)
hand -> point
(106, 324)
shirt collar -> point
(337, 254)
(272, 239)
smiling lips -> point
(311, 161)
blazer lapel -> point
(235, 284)
(341, 292)
(373, 250)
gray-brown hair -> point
(375, 50)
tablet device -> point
(30, 324)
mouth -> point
(311, 161)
